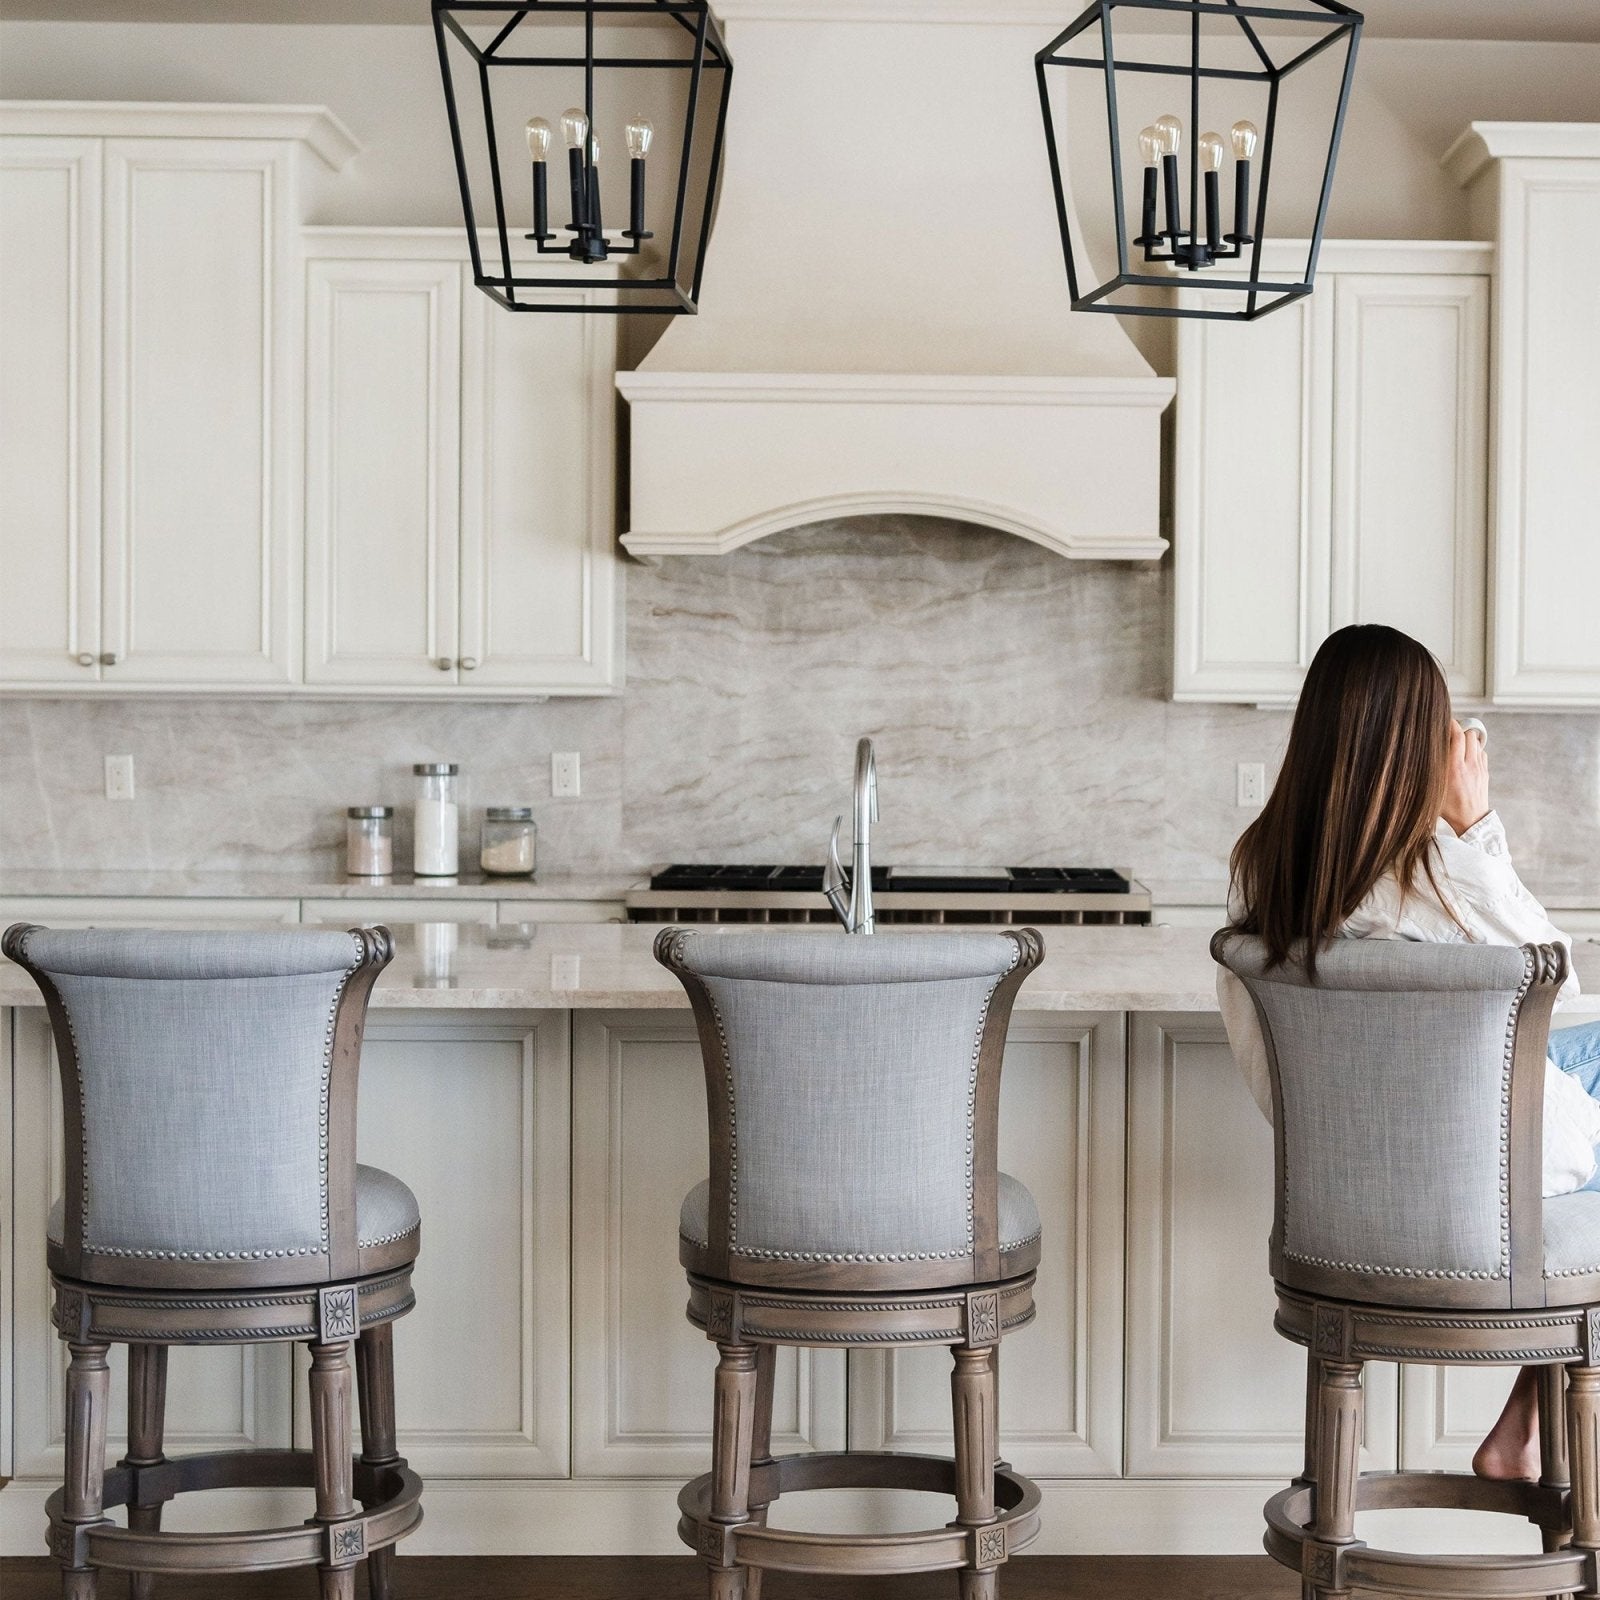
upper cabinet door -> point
(538, 567)
(1411, 461)
(50, 411)
(1547, 557)
(382, 472)
(201, 553)
(1251, 501)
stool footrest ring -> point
(753, 1544)
(1406, 1576)
(393, 1488)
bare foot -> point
(1512, 1447)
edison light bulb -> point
(574, 127)
(1244, 140)
(539, 136)
(594, 149)
(1171, 131)
(1150, 145)
(1211, 152)
(640, 132)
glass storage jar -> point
(369, 841)
(436, 843)
(509, 845)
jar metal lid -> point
(370, 811)
(435, 769)
(508, 814)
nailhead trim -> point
(219, 1255)
(1389, 1272)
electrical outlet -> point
(565, 780)
(1252, 784)
(119, 777)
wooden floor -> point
(683, 1578)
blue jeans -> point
(1577, 1052)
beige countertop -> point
(583, 966)
(277, 884)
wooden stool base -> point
(1356, 1565)
(751, 1544)
(391, 1494)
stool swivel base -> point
(724, 1512)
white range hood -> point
(884, 323)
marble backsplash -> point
(1017, 700)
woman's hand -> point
(1466, 793)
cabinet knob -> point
(469, 663)
(110, 659)
(86, 659)
(445, 664)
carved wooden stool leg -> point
(375, 1391)
(1554, 1471)
(1339, 1419)
(88, 1398)
(974, 1395)
(1583, 1444)
(761, 1447)
(147, 1409)
(732, 1442)
(1308, 1474)
(331, 1443)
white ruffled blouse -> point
(1494, 907)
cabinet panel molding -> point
(50, 265)
(1061, 1133)
(1213, 1391)
(642, 1374)
(201, 414)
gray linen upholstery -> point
(1393, 1082)
(386, 1210)
(204, 1062)
(1019, 1214)
(852, 1065)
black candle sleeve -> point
(580, 190)
(1169, 184)
(1147, 229)
(1241, 202)
(541, 202)
(1213, 213)
(636, 199)
(594, 201)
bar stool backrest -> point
(208, 1089)
(853, 1088)
(1407, 1086)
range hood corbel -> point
(868, 343)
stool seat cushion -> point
(1572, 1242)
(1019, 1224)
(388, 1222)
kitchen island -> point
(539, 1086)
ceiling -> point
(1561, 21)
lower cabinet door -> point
(1213, 1391)
(641, 1373)
(218, 1398)
(470, 1109)
(1061, 1133)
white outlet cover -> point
(566, 780)
(1251, 782)
(119, 777)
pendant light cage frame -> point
(479, 73)
(1272, 65)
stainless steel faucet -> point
(851, 896)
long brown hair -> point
(1358, 795)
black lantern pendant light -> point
(1221, 56)
(504, 59)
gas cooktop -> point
(763, 892)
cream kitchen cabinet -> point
(1332, 467)
(150, 399)
(1536, 188)
(459, 478)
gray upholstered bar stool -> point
(1408, 1085)
(212, 1194)
(853, 1086)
